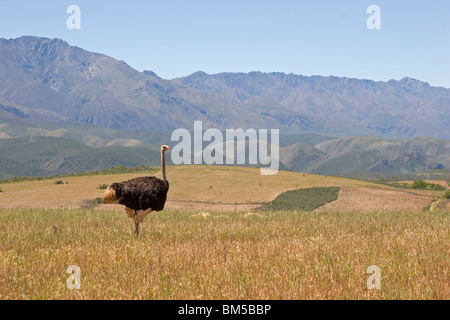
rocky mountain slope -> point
(49, 80)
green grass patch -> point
(304, 199)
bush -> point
(447, 194)
(1, 190)
(419, 184)
(433, 186)
(59, 182)
(103, 186)
(99, 200)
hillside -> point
(88, 134)
(98, 148)
(49, 80)
(439, 174)
(44, 156)
(368, 154)
(215, 188)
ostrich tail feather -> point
(110, 195)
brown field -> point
(373, 199)
(214, 188)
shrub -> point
(103, 186)
(1, 190)
(419, 184)
(98, 200)
(59, 182)
(447, 194)
(433, 186)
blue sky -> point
(176, 38)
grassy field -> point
(232, 255)
(210, 244)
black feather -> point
(142, 193)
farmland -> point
(208, 187)
(213, 242)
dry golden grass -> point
(224, 255)
(193, 251)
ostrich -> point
(140, 195)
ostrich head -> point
(164, 148)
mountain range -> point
(49, 80)
(87, 111)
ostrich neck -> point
(163, 165)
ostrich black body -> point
(142, 193)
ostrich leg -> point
(139, 216)
(136, 228)
(136, 224)
(129, 211)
